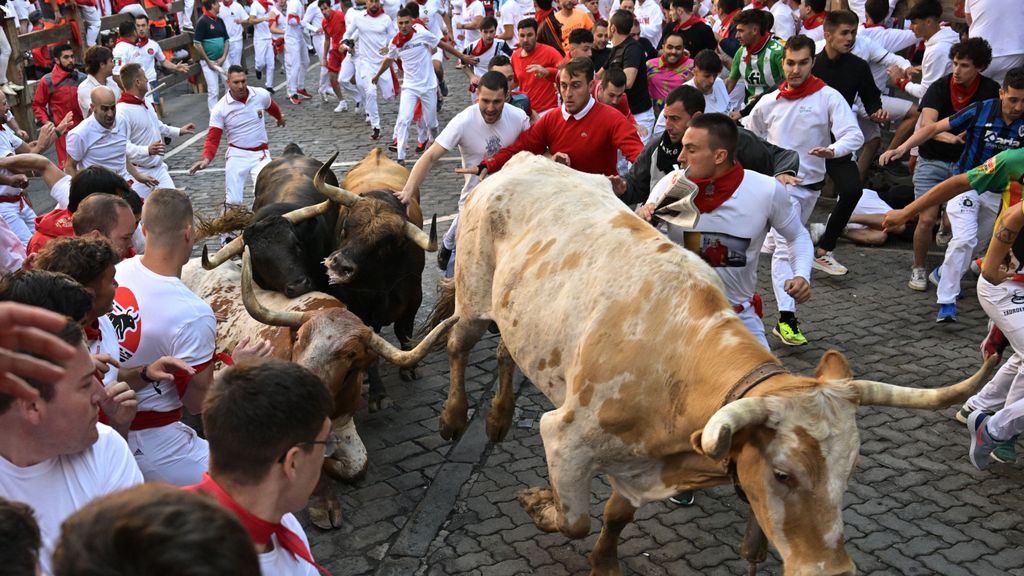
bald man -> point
(102, 140)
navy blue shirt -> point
(986, 132)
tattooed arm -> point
(1010, 223)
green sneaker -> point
(1006, 452)
(790, 333)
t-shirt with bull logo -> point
(157, 316)
(730, 236)
(1003, 173)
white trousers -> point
(185, 16)
(972, 217)
(755, 324)
(160, 173)
(20, 218)
(782, 268)
(238, 165)
(345, 78)
(1002, 64)
(263, 51)
(1004, 304)
(91, 19)
(234, 53)
(364, 76)
(174, 454)
(296, 60)
(406, 108)
(213, 82)
(321, 56)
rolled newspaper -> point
(676, 206)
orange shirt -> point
(578, 19)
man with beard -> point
(535, 67)
(758, 62)
(57, 95)
(669, 71)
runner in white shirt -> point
(999, 23)
(479, 132)
(150, 53)
(468, 23)
(235, 19)
(296, 56)
(313, 22)
(372, 31)
(738, 207)
(926, 21)
(156, 315)
(59, 458)
(99, 65)
(102, 140)
(786, 19)
(125, 49)
(239, 115)
(512, 12)
(262, 40)
(144, 127)
(650, 17)
(455, 14)
(707, 67)
(803, 114)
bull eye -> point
(785, 478)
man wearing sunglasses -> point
(269, 431)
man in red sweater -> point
(57, 95)
(536, 67)
(585, 134)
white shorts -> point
(174, 454)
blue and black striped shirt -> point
(986, 132)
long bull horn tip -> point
(256, 309)
(406, 358)
(227, 252)
(339, 195)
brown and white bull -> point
(655, 380)
(316, 331)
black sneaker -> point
(375, 134)
(682, 499)
(444, 88)
(443, 256)
(259, 74)
(393, 146)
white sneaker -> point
(828, 264)
(816, 229)
(943, 236)
(918, 279)
(341, 107)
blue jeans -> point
(929, 173)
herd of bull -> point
(655, 381)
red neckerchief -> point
(121, 39)
(418, 21)
(265, 4)
(810, 86)
(211, 15)
(693, 19)
(757, 5)
(373, 14)
(756, 48)
(479, 47)
(92, 332)
(960, 96)
(421, 2)
(226, 3)
(468, 2)
(259, 529)
(129, 98)
(540, 15)
(713, 192)
(873, 25)
(400, 39)
(727, 19)
(814, 21)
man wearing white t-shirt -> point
(296, 56)
(269, 430)
(156, 315)
(150, 53)
(102, 140)
(313, 22)
(650, 17)
(999, 23)
(54, 455)
(126, 51)
(235, 19)
(144, 128)
(805, 115)
(707, 67)
(239, 114)
(262, 16)
(372, 31)
(512, 12)
(738, 207)
(479, 132)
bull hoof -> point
(342, 472)
(497, 426)
(452, 427)
(378, 403)
(325, 514)
(539, 504)
(408, 374)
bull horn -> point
(339, 195)
(232, 249)
(258, 311)
(716, 438)
(406, 358)
(428, 243)
(307, 212)
(882, 394)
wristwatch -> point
(145, 377)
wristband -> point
(481, 168)
(145, 377)
(902, 83)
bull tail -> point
(292, 149)
(233, 219)
(443, 309)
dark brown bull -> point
(376, 268)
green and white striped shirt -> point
(764, 70)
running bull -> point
(288, 241)
(317, 332)
(655, 380)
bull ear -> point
(833, 366)
(715, 440)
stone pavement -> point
(915, 505)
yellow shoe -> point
(790, 333)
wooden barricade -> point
(21, 105)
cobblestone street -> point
(915, 504)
